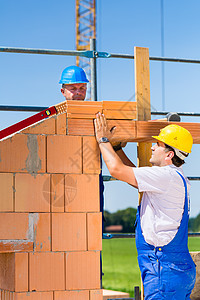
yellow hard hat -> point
(176, 137)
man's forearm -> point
(124, 158)
(111, 159)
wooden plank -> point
(142, 91)
(145, 130)
(142, 83)
(16, 246)
(142, 97)
(129, 130)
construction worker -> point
(74, 83)
(167, 269)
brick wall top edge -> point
(81, 110)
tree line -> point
(127, 218)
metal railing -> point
(109, 236)
(40, 108)
(92, 54)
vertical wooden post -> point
(142, 97)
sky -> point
(32, 80)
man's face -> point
(160, 156)
(75, 91)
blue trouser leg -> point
(163, 279)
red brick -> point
(46, 271)
(96, 295)
(94, 231)
(91, 156)
(6, 295)
(80, 127)
(14, 226)
(68, 231)
(82, 193)
(85, 109)
(33, 296)
(14, 271)
(57, 193)
(6, 195)
(47, 126)
(23, 153)
(61, 124)
(71, 295)
(120, 105)
(42, 234)
(83, 270)
(21, 272)
(7, 271)
(64, 154)
(32, 193)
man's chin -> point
(77, 99)
(151, 162)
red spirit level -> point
(53, 110)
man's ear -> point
(170, 155)
(62, 91)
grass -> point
(120, 267)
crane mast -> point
(85, 30)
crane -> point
(85, 30)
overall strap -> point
(186, 193)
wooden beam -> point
(130, 130)
(142, 83)
(145, 130)
(142, 97)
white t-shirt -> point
(162, 202)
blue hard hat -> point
(73, 74)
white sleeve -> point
(152, 179)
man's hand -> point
(101, 130)
(101, 127)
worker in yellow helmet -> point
(167, 269)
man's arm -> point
(124, 158)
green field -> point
(120, 266)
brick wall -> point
(50, 223)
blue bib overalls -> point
(168, 272)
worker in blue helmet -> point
(74, 83)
